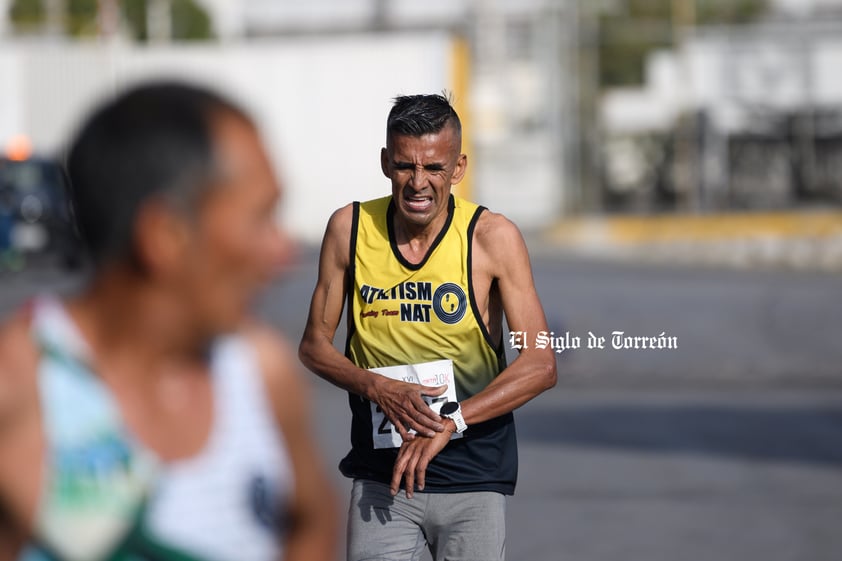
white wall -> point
(4, 20)
(12, 102)
(804, 7)
(826, 74)
(321, 104)
(765, 68)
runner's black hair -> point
(154, 140)
(417, 115)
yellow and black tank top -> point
(404, 313)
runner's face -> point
(422, 170)
(237, 246)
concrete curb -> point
(802, 240)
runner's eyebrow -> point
(435, 166)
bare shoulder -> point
(279, 368)
(342, 219)
(336, 243)
(274, 353)
(18, 364)
(499, 239)
(493, 226)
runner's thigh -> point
(382, 527)
(467, 526)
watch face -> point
(449, 408)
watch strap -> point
(458, 420)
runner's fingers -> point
(397, 473)
(402, 430)
(420, 473)
(412, 421)
(433, 391)
(409, 474)
(407, 423)
(423, 409)
(427, 421)
(395, 485)
(417, 422)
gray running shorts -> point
(454, 526)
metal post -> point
(380, 15)
(587, 104)
(108, 18)
(556, 98)
(808, 128)
(55, 11)
(686, 149)
(159, 21)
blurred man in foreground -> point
(148, 418)
(427, 277)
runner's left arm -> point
(500, 254)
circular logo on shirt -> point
(450, 303)
(264, 503)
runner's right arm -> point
(400, 401)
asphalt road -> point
(728, 447)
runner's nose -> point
(418, 179)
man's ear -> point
(460, 169)
(384, 163)
(161, 237)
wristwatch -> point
(452, 410)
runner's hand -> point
(413, 459)
(403, 405)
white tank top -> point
(104, 493)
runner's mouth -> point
(419, 204)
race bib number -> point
(437, 373)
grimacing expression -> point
(237, 246)
(422, 170)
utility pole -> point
(380, 15)
(108, 18)
(54, 12)
(589, 91)
(159, 21)
(686, 163)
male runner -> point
(427, 277)
(148, 418)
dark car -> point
(35, 215)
